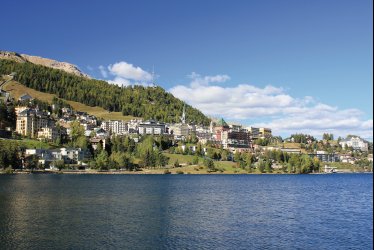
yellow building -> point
(265, 132)
(29, 122)
(48, 133)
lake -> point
(331, 211)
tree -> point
(59, 164)
(76, 131)
(306, 164)
(294, 162)
(237, 156)
(316, 164)
(82, 142)
(199, 149)
(9, 154)
(224, 155)
(102, 160)
(261, 165)
(268, 166)
(328, 137)
(210, 153)
(248, 158)
(195, 160)
(161, 159)
(209, 163)
(31, 162)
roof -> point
(221, 123)
(25, 96)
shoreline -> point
(160, 172)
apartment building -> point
(115, 127)
(30, 121)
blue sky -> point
(297, 66)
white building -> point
(116, 127)
(355, 142)
(68, 155)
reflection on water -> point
(186, 212)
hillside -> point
(22, 58)
(137, 101)
(16, 90)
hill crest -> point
(21, 58)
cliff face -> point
(20, 58)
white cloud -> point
(103, 71)
(198, 80)
(287, 114)
(120, 81)
(126, 74)
(129, 71)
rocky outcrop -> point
(67, 67)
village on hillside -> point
(77, 137)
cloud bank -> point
(284, 114)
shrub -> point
(166, 171)
(176, 164)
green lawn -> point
(182, 159)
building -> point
(179, 130)
(25, 97)
(235, 140)
(30, 121)
(115, 127)
(220, 127)
(182, 130)
(132, 126)
(265, 133)
(291, 150)
(68, 155)
(152, 127)
(259, 133)
(232, 137)
(48, 133)
(325, 157)
(355, 142)
(255, 132)
(96, 141)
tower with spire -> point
(183, 117)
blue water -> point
(186, 211)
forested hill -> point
(139, 101)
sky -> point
(296, 66)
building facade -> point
(115, 127)
(151, 127)
(30, 121)
(356, 143)
(48, 133)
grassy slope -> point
(16, 89)
(29, 143)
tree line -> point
(138, 101)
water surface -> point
(186, 211)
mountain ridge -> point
(51, 63)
